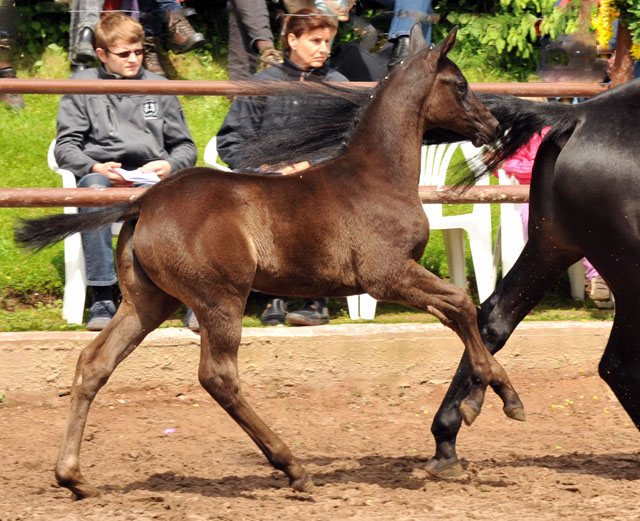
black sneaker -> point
(274, 313)
(313, 313)
(191, 321)
(102, 312)
(400, 51)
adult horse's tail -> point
(35, 234)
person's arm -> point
(236, 137)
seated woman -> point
(306, 40)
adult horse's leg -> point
(515, 296)
(620, 364)
(221, 329)
(144, 307)
(422, 289)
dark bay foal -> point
(206, 238)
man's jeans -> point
(407, 13)
(97, 244)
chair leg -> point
(576, 280)
(454, 245)
(367, 307)
(75, 286)
(353, 303)
(480, 245)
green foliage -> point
(630, 14)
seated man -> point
(98, 133)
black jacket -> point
(238, 139)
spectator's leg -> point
(99, 264)
(406, 14)
(8, 35)
(151, 21)
(182, 36)
(84, 17)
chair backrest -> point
(68, 179)
(435, 161)
(211, 156)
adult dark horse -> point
(206, 238)
(584, 201)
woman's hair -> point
(117, 26)
(304, 21)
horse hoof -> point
(446, 469)
(303, 484)
(515, 413)
(84, 491)
(469, 412)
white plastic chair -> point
(211, 156)
(477, 223)
(510, 241)
(75, 285)
(435, 160)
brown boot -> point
(151, 60)
(183, 36)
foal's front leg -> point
(421, 289)
(221, 329)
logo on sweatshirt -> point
(150, 108)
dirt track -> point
(354, 404)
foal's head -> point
(450, 104)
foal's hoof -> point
(469, 411)
(515, 413)
(444, 469)
(304, 484)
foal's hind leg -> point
(144, 307)
(221, 329)
(423, 290)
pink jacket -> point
(520, 164)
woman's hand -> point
(296, 167)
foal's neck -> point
(390, 130)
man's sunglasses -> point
(125, 54)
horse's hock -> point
(40, 365)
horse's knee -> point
(222, 387)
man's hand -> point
(161, 167)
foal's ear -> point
(445, 45)
(416, 39)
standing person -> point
(250, 39)
(306, 43)
(98, 133)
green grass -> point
(31, 284)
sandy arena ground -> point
(354, 403)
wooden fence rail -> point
(56, 197)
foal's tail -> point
(519, 120)
(35, 234)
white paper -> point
(137, 176)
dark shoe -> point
(400, 51)
(77, 67)
(102, 312)
(14, 101)
(270, 56)
(151, 60)
(183, 36)
(84, 51)
(274, 313)
(313, 313)
(191, 321)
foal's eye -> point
(462, 88)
